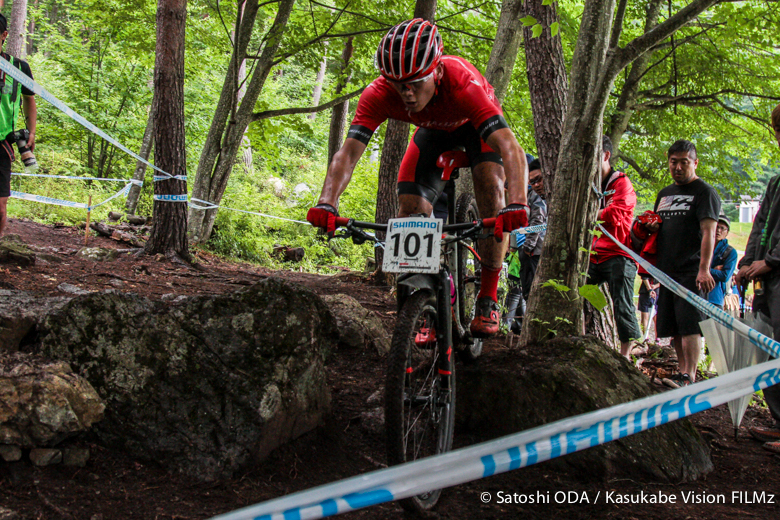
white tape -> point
(158, 178)
(69, 177)
(530, 229)
(206, 205)
(724, 318)
(514, 451)
(25, 80)
(68, 203)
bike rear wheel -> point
(469, 274)
(419, 401)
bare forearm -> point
(340, 172)
(30, 113)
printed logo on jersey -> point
(675, 203)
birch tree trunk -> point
(315, 98)
(338, 118)
(230, 122)
(31, 32)
(16, 27)
(597, 61)
(169, 233)
(504, 52)
(147, 143)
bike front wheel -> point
(469, 273)
(419, 400)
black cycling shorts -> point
(6, 159)
(419, 174)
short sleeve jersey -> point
(463, 96)
(682, 208)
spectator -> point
(648, 296)
(689, 210)
(12, 92)
(762, 261)
(514, 297)
(724, 261)
(536, 179)
(532, 248)
(608, 262)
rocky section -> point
(206, 385)
(20, 312)
(518, 390)
(357, 326)
(14, 251)
(42, 403)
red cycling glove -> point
(512, 217)
(323, 216)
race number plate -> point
(413, 245)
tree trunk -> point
(31, 33)
(505, 47)
(618, 122)
(147, 143)
(16, 28)
(315, 98)
(338, 119)
(224, 138)
(548, 87)
(169, 234)
(396, 140)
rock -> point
(7, 514)
(277, 186)
(10, 453)
(14, 251)
(206, 386)
(97, 254)
(20, 313)
(509, 392)
(373, 421)
(45, 457)
(72, 289)
(43, 402)
(357, 326)
(76, 457)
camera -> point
(21, 137)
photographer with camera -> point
(14, 96)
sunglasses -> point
(411, 85)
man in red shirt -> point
(452, 105)
(608, 262)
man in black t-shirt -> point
(686, 238)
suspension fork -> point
(444, 310)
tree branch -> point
(660, 32)
(305, 110)
(470, 35)
(617, 26)
(631, 162)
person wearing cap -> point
(452, 105)
(762, 261)
(724, 261)
(12, 96)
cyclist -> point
(452, 105)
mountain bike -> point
(432, 282)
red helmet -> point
(409, 51)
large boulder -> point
(43, 402)
(357, 326)
(512, 391)
(206, 385)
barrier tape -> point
(206, 205)
(67, 203)
(512, 452)
(132, 181)
(530, 229)
(171, 198)
(158, 178)
(25, 80)
(724, 318)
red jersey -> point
(617, 212)
(463, 96)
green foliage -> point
(593, 294)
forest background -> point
(715, 82)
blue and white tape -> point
(25, 80)
(171, 198)
(512, 452)
(530, 229)
(67, 203)
(72, 178)
(724, 318)
(206, 205)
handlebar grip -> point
(341, 221)
(489, 222)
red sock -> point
(489, 286)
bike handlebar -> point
(343, 221)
